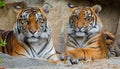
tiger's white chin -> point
(32, 39)
(79, 34)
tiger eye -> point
(88, 18)
(40, 20)
(75, 17)
(24, 22)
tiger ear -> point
(72, 7)
(46, 8)
(17, 9)
(97, 9)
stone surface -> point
(30, 63)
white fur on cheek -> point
(47, 33)
(96, 29)
(20, 37)
(44, 35)
(69, 30)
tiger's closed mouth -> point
(33, 37)
(36, 37)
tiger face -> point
(32, 25)
(84, 20)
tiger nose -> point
(32, 31)
(79, 27)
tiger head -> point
(84, 20)
(31, 24)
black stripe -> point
(93, 41)
(8, 41)
(28, 45)
(26, 49)
(44, 47)
(9, 46)
(95, 47)
(50, 56)
(33, 51)
(75, 41)
(49, 51)
(19, 53)
(18, 28)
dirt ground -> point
(59, 15)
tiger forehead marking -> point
(32, 18)
(33, 26)
(82, 17)
(27, 12)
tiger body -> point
(89, 48)
(86, 39)
(31, 35)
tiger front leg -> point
(87, 54)
(74, 56)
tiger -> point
(31, 35)
(86, 40)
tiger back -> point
(86, 39)
(6, 36)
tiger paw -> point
(66, 57)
